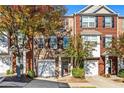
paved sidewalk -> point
(102, 82)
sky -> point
(75, 8)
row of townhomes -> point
(98, 24)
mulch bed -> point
(72, 80)
(23, 79)
(118, 80)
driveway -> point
(102, 82)
(46, 84)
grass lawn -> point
(87, 87)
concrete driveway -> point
(102, 82)
(46, 84)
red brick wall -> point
(104, 31)
(120, 29)
(78, 24)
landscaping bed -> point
(23, 79)
(118, 80)
(72, 80)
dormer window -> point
(88, 21)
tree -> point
(80, 52)
(20, 23)
(27, 21)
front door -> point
(110, 66)
(65, 66)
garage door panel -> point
(46, 68)
(4, 65)
(91, 68)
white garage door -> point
(4, 65)
(46, 68)
(91, 67)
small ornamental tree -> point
(79, 50)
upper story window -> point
(53, 42)
(65, 41)
(41, 43)
(107, 22)
(22, 39)
(107, 41)
(90, 39)
(88, 21)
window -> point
(3, 44)
(88, 21)
(53, 42)
(91, 40)
(3, 41)
(41, 43)
(122, 61)
(107, 41)
(108, 22)
(123, 24)
(21, 37)
(65, 41)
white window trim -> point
(109, 22)
(88, 21)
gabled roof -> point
(96, 9)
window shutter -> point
(112, 22)
(103, 22)
(81, 21)
(96, 21)
(103, 41)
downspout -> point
(75, 35)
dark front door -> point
(65, 66)
(113, 65)
(110, 66)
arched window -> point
(65, 41)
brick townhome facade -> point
(100, 58)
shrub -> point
(31, 74)
(121, 73)
(9, 72)
(78, 73)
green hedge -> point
(31, 74)
(78, 72)
(121, 73)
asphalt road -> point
(33, 84)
